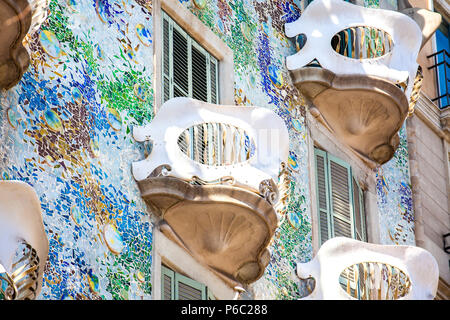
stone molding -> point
(436, 119)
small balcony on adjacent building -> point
(215, 178)
(357, 66)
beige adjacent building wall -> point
(430, 183)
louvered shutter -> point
(200, 72)
(180, 62)
(167, 284)
(167, 57)
(188, 70)
(175, 286)
(188, 289)
(322, 195)
(341, 198)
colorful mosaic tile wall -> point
(395, 198)
(66, 130)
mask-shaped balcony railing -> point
(215, 176)
(23, 242)
(17, 19)
(345, 268)
(358, 67)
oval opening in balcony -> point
(362, 42)
(216, 144)
(300, 41)
(374, 281)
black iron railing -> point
(442, 65)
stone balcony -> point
(23, 242)
(17, 19)
(347, 269)
(212, 179)
(358, 68)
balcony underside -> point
(363, 112)
(226, 228)
(22, 236)
(15, 20)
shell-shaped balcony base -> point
(15, 20)
(226, 228)
(21, 227)
(363, 112)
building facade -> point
(75, 122)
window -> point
(340, 199)
(442, 62)
(175, 286)
(188, 70)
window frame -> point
(167, 76)
(442, 70)
(327, 159)
(318, 135)
(176, 278)
(174, 256)
(203, 35)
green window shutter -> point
(341, 197)
(167, 284)
(200, 63)
(322, 195)
(188, 289)
(167, 57)
(175, 286)
(188, 70)
(180, 63)
(360, 223)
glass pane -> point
(443, 70)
